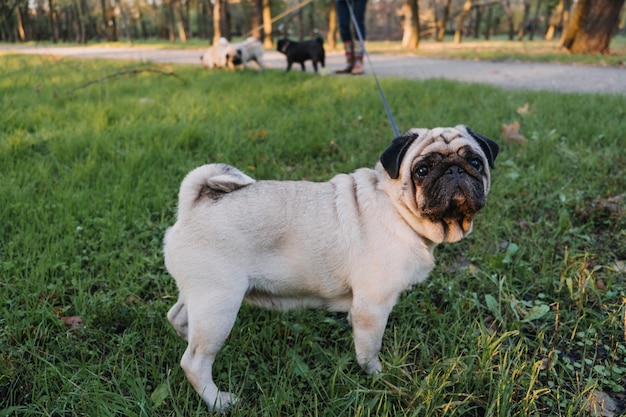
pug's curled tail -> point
(209, 182)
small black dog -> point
(302, 51)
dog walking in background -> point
(216, 56)
(226, 55)
(353, 244)
(302, 51)
(247, 51)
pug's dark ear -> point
(392, 156)
(489, 147)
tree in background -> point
(558, 18)
(506, 6)
(460, 25)
(268, 41)
(408, 21)
(592, 26)
(441, 20)
(333, 31)
(221, 20)
(411, 25)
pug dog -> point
(302, 51)
(247, 51)
(352, 244)
(217, 55)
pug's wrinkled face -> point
(445, 178)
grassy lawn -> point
(525, 317)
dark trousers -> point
(343, 15)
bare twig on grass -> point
(134, 71)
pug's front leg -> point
(368, 326)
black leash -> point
(369, 61)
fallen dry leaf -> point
(619, 266)
(613, 205)
(132, 300)
(524, 109)
(523, 224)
(73, 322)
(601, 405)
(511, 133)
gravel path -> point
(510, 75)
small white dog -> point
(249, 50)
(217, 55)
(224, 54)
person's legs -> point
(353, 47)
(343, 17)
(345, 31)
(359, 7)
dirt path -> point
(510, 75)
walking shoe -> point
(357, 69)
(346, 70)
(349, 62)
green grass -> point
(525, 317)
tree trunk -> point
(300, 24)
(566, 17)
(535, 19)
(81, 32)
(467, 7)
(489, 22)
(268, 41)
(411, 30)
(592, 26)
(221, 20)
(258, 21)
(433, 5)
(105, 19)
(54, 28)
(311, 19)
(506, 6)
(201, 13)
(180, 24)
(443, 22)
(121, 12)
(217, 18)
(556, 19)
(115, 26)
(331, 37)
(20, 24)
(142, 23)
(187, 19)
(168, 10)
(521, 28)
(479, 15)
(225, 20)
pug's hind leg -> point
(177, 317)
(211, 319)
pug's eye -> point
(421, 171)
(476, 164)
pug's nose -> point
(456, 171)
